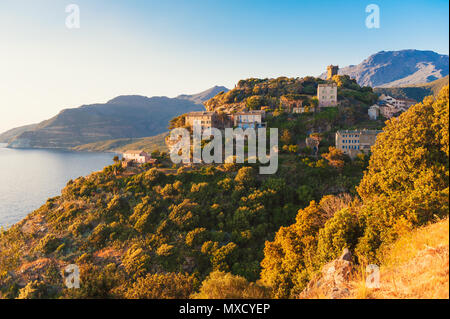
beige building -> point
(355, 141)
(206, 119)
(327, 94)
(138, 156)
(249, 119)
(301, 109)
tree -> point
(179, 121)
(289, 260)
(411, 158)
(222, 285)
(163, 286)
(286, 137)
(407, 181)
(254, 102)
(245, 176)
(314, 103)
(334, 157)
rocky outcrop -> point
(333, 281)
(397, 68)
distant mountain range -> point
(9, 135)
(130, 116)
(203, 96)
(398, 68)
(133, 117)
(416, 92)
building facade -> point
(389, 111)
(399, 103)
(352, 142)
(327, 94)
(248, 119)
(138, 156)
(206, 119)
(290, 104)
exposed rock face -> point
(397, 68)
(333, 281)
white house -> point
(138, 156)
(249, 119)
(398, 103)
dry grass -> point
(416, 266)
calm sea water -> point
(28, 177)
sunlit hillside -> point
(414, 267)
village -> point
(350, 142)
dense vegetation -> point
(123, 229)
(224, 231)
(406, 185)
(256, 93)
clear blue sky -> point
(173, 47)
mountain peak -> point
(127, 99)
(397, 68)
(201, 97)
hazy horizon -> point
(170, 48)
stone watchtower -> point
(331, 71)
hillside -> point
(256, 93)
(128, 117)
(183, 232)
(122, 117)
(9, 135)
(398, 68)
(415, 266)
(416, 92)
(174, 225)
(148, 144)
(405, 186)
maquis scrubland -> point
(224, 231)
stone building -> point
(206, 119)
(332, 70)
(290, 104)
(249, 119)
(352, 142)
(327, 94)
